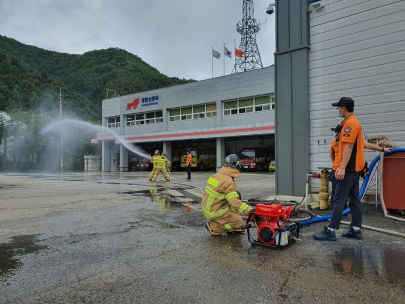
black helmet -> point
(232, 161)
(156, 151)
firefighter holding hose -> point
(167, 166)
(154, 160)
(221, 203)
(160, 162)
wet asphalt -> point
(117, 238)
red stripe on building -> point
(104, 136)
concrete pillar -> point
(220, 152)
(292, 118)
(106, 156)
(166, 117)
(167, 148)
(123, 158)
(219, 114)
(115, 151)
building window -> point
(144, 118)
(194, 112)
(130, 120)
(113, 122)
(249, 105)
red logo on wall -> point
(133, 104)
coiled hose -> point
(362, 190)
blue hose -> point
(362, 190)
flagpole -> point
(234, 44)
(224, 58)
(212, 59)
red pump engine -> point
(273, 218)
(274, 229)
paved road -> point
(117, 238)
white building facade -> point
(224, 113)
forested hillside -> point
(30, 78)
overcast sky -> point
(174, 36)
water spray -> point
(57, 126)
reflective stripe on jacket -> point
(155, 161)
(220, 195)
(167, 162)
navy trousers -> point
(349, 187)
(333, 180)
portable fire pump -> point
(273, 222)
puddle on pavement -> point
(168, 202)
(165, 223)
(10, 253)
(360, 262)
(136, 192)
(11, 186)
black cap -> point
(338, 128)
(344, 102)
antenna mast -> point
(248, 28)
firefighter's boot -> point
(210, 230)
(239, 230)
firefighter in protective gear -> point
(221, 203)
(161, 167)
(154, 160)
(167, 165)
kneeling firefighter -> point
(221, 203)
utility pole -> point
(61, 141)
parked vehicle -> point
(144, 163)
(254, 158)
(272, 165)
(176, 159)
(203, 158)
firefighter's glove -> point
(251, 212)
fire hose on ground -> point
(361, 194)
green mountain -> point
(30, 78)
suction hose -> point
(362, 190)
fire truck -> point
(176, 159)
(254, 158)
(144, 163)
(203, 158)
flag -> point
(238, 53)
(216, 54)
(227, 52)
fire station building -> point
(224, 114)
(325, 49)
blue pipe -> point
(362, 190)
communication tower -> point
(248, 28)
